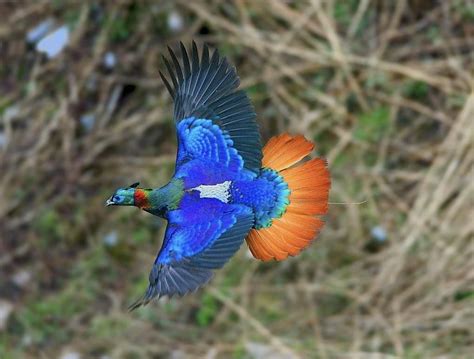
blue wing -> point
(200, 237)
(201, 139)
(206, 88)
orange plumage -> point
(309, 185)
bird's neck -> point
(141, 198)
(161, 200)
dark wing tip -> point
(173, 279)
(168, 85)
(137, 304)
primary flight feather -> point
(226, 187)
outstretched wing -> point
(199, 238)
(205, 88)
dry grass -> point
(384, 88)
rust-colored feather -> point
(309, 191)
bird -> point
(227, 188)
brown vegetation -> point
(385, 88)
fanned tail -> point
(309, 185)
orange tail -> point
(309, 185)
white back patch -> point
(219, 191)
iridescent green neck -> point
(164, 199)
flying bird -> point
(226, 187)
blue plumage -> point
(200, 139)
(219, 190)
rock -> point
(39, 31)
(87, 121)
(54, 43)
(21, 278)
(110, 60)
(3, 140)
(69, 354)
(175, 21)
(261, 351)
(111, 239)
(379, 234)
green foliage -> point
(456, 101)
(233, 274)
(340, 161)
(141, 235)
(465, 294)
(6, 352)
(119, 29)
(50, 226)
(377, 80)
(239, 352)
(257, 92)
(139, 285)
(108, 326)
(322, 78)
(373, 125)
(159, 24)
(71, 17)
(344, 11)
(47, 319)
(207, 311)
(95, 265)
(271, 311)
(122, 252)
(230, 50)
(434, 34)
(123, 24)
(332, 304)
(465, 9)
(417, 90)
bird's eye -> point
(117, 198)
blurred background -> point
(383, 87)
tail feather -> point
(277, 154)
(309, 190)
(257, 248)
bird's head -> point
(123, 196)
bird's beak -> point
(109, 202)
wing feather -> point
(205, 87)
(183, 267)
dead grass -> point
(384, 88)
